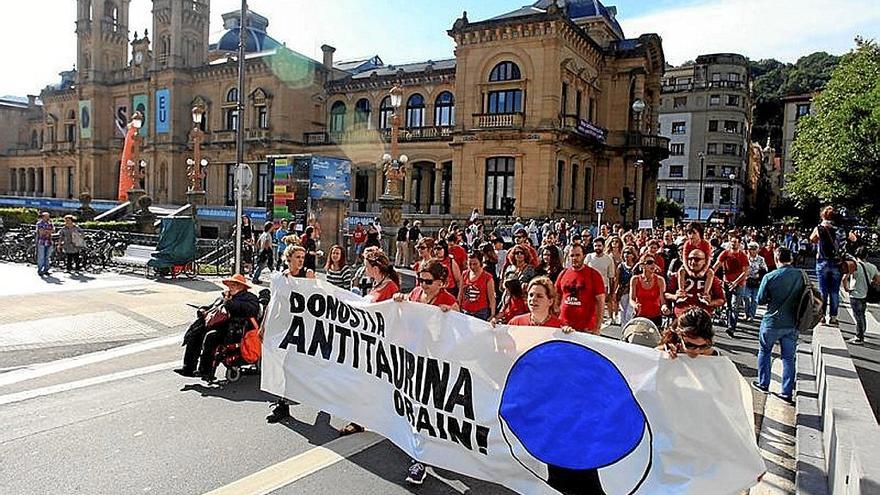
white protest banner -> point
(530, 408)
(646, 224)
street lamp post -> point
(195, 166)
(732, 178)
(394, 166)
(700, 197)
(135, 168)
(638, 107)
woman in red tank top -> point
(543, 305)
(386, 282)
(453, 279)
(477, 294)
(429, 289)
(646, 291)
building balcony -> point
(691, 86)
(405, 134)
(257, 135)
(49, 147)
(224, 136)
(654, 147)
(499, 120)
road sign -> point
(244, 175)
(600, 206)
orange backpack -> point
(252, 344)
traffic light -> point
(629, 197)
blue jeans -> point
(859, 306)
(750, 295)
(787, 338)
(44, 254)
(829, 277)
(734, 302)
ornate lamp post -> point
(195, 166)
(733, 205)
(135, 168)
(394, 166)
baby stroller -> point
(233, 354)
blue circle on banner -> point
(570, 406)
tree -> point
(836, 148)
(666, 208)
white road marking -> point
(289, 471)
(43, 369)
(88, 382)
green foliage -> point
(15, 217)
(774, 80)
(118, 226)
(836, 147)
(666, 208)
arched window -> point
(337, 117)
(232, 96)
(444, 110)
(385, 112)
(415, 111)
(362, 112)
(505, 71)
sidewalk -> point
(82, 312)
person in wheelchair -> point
(209, 331)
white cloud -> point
(780, 29)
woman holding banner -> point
(543, 302)
(430, 290)
(386, 283)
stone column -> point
(437, 206)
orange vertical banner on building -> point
(125, 181)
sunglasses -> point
(693, 347)
(426, 281)
(695, 258)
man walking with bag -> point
(781, 291)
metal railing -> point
(405, 134)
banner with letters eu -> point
(530, 408)
(163, 111)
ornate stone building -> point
(541, 111)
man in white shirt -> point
(602, 263)
(857, 284)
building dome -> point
(582, 9)
(257, 40)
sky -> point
(40, 33)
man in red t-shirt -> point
(582, 294)
(736, 269)
(359, 237)
(694, 293)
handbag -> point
(216, 315)
(252, 344)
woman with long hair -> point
(625, 272)
(513, 301)
(615, 250)
(691, 333)
(551, 264)
(338, 271)
(646, 291)
(386, 281)
(453, 281)
(425, 251)
(520, 265)
(477, 294)
(543, 303)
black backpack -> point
(810, 310)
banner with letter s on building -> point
(529, 408)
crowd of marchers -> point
(556, 274)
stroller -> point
(230, 354)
